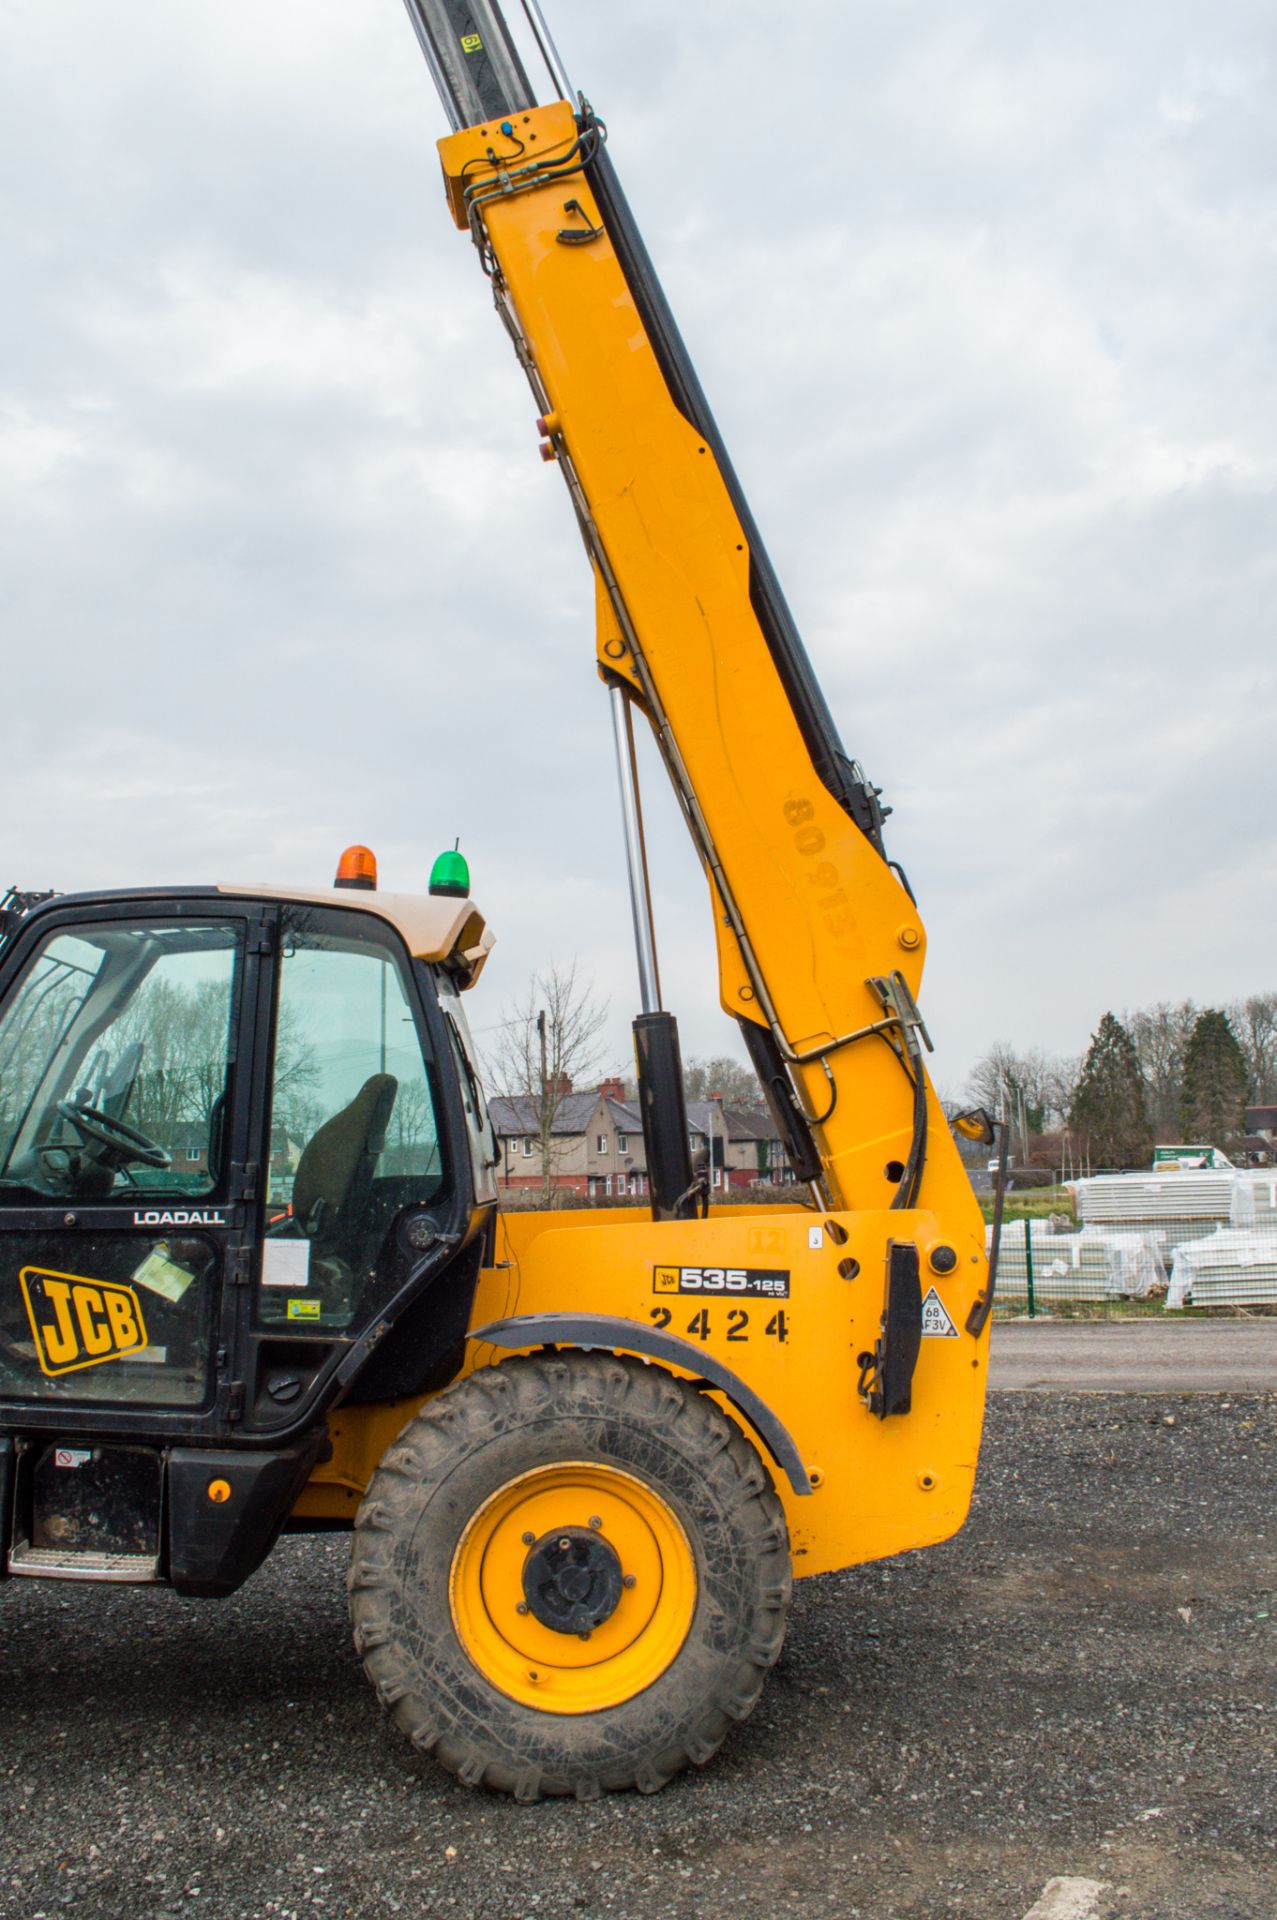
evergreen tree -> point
(1109, 1111)
(1212, 1106)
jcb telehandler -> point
(252, 1272)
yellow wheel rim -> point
(565, 1672)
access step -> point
(57, 1563)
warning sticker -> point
(286, 1263)
(936, 1321)
(163, 1274)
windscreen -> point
(115, 1048)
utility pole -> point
(544, 1115)
(715, 1102)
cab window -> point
(354, 1130)
(485, 1154)
(115, 1053)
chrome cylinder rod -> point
(437, 73)
(635, 852)
(472, 59)
(549, 52)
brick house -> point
(599, 1150)
(1259, 1148)
(187, 1142)
(747, 1151)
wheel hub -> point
(613, 1523)
(572, 1580)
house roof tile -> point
(519, 1115)
(739, 1123)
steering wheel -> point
(128, 1145)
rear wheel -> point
(569, 1575)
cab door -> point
(126, 1036)
(365, 1201)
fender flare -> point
(618, 1335)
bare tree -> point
(1063, 1074)
(37, 1017)
(1254, 1021)
(547, 1042)
(722, 1077)
(181, 1033)
(1160, 1034)
(1029, 1090)
(1034, 1091)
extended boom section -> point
(820, 944)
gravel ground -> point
(1081, 1683)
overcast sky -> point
(983, 296)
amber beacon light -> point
(357, 868)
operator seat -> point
(334, 1175)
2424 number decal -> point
(702, 1325)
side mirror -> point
(974, 1124)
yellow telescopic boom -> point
(820, 943)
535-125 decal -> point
(749, 1283)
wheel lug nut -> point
(529, 1539)
(521, 1606)
(595, 1522)
(565, 1545)
(629, 1580)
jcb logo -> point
(78, 1322)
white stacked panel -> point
(1096, 1264)
(1235, 1267)
(1131, 1197)
(1260, 1184)
(1239, 1196)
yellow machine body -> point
(874, 1487)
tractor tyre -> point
(569, 1575)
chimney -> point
(612, 1089)
(560, 1086)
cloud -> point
(983, 306)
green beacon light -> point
(450, 874)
